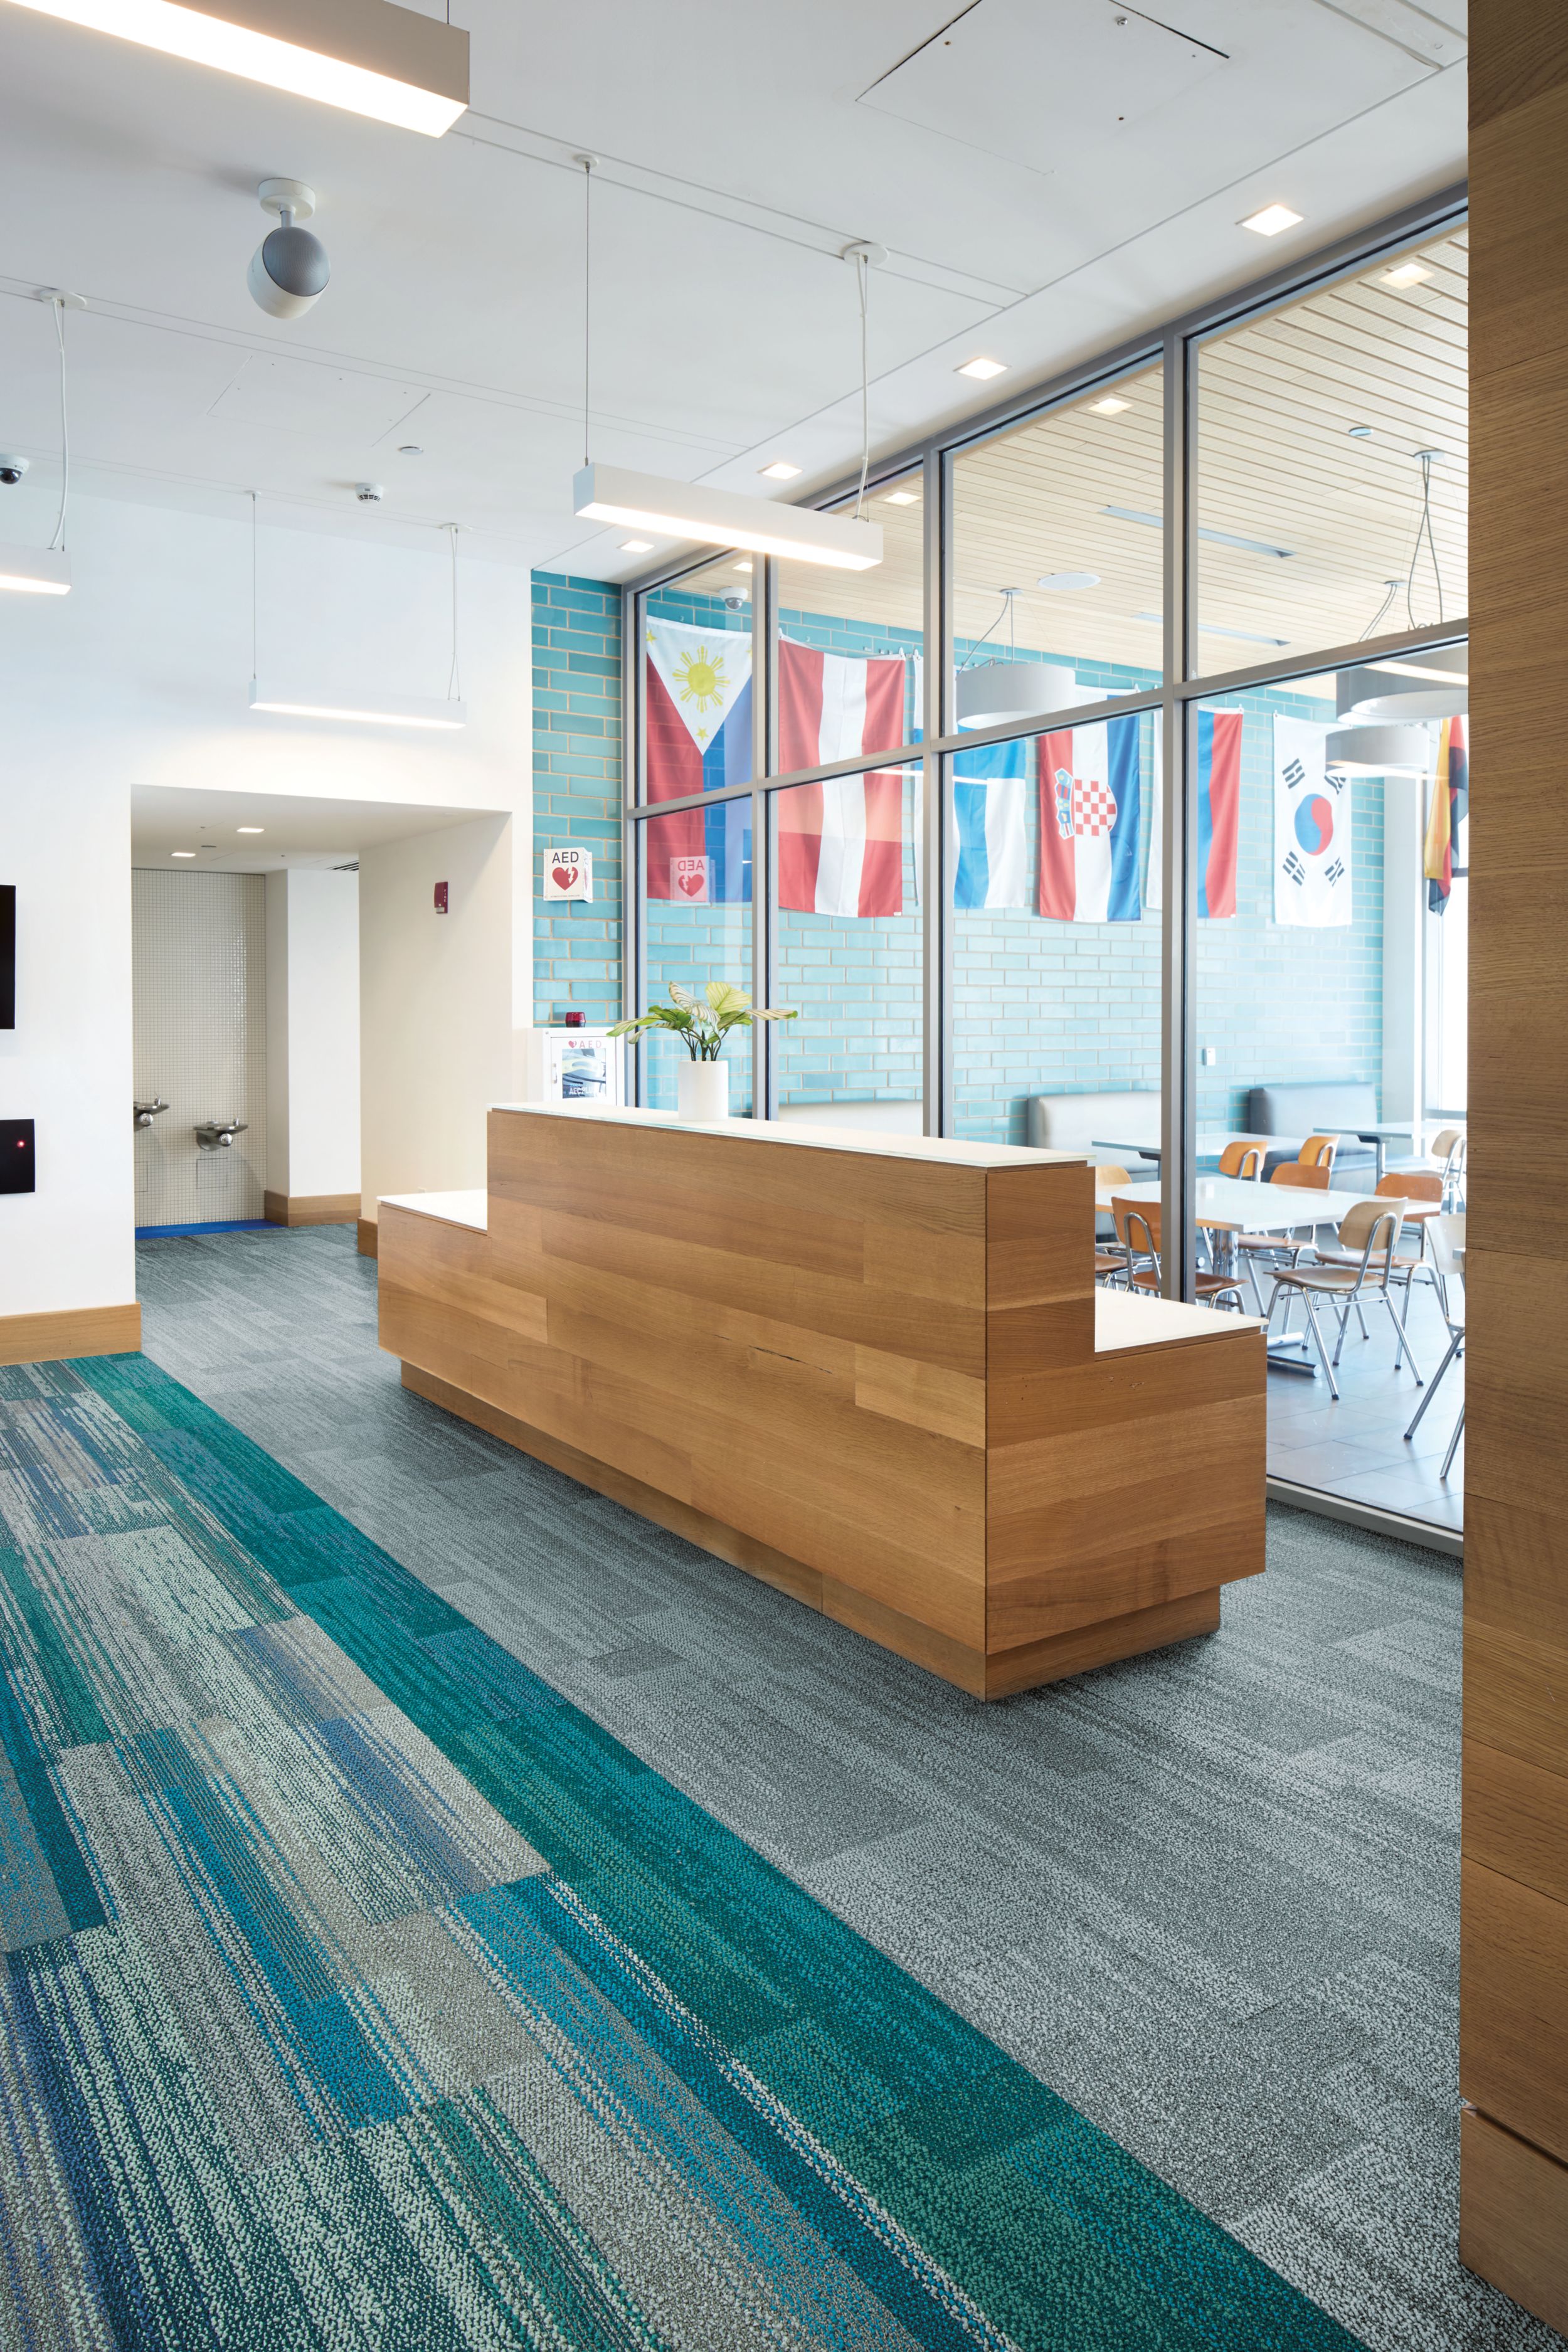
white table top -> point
(1123, 1319)
(451, 1208)
(1226, 1204)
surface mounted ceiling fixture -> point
(45, 570)
(365, 56)
(986, 693)
(1271, 219)
(1064, 582)
(289, 269)
(694, 510)
(280, 699)
(1110, 406)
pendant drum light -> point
(365, 56)
(986, 693)
(45, 570)
(695, 510)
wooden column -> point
(1514, 2025)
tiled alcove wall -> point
(199, 1008)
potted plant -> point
(702, 1023)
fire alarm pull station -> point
(440, 898)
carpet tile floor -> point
(1209, 1897)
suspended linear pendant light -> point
(287, 700)
(365, 56)
(988, 692)
(45, 570)
(694, 510)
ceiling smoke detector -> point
(369, 494)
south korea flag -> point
(1312, 828)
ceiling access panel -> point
(1133, 117)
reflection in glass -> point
(848, 955)
(696, 928)
(1333, 463)
(854, 615)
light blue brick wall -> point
(1040, 1007)
(578, 791)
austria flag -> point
(698, 684)
(841, 843)
(1089, 823)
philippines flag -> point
(1088, 784)
(988, 788)
(1219, 814)
(698, 684)
(841, 843)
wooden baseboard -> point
(310, 1208)
(999, 1675)
(368, 1236)
(1513, 2217)
(70, 1331)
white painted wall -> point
(141, 676)
(436, 1045)
(312, 1033)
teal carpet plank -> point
(388, 2003)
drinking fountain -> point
(218, 1134)
(146, 1112)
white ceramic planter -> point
(703, 1091)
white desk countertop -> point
(797, 1135)
(451, 1208)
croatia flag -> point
(1219, 814)
(698, 684)
(840, 843)
(988, 788)
(1088, 785)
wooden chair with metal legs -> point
(1109, 1256)
(1372, 1227)
(1412, 1187)
(1266, 1252)
(1319, 1152)
(1243, 1160)
(1448, 1247)
(1138, 1230)
(1450, 1145)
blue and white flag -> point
(989, 785)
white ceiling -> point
(741, 147)
(295, 830)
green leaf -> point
(724, 997)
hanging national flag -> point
(1219, 816)
(840, 843)
(1089, 786)
(1450, 807)
(1312, 828)
(697, 688)
(988, 788)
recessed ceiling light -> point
(781, 470)
(410, 449)
(182, 853)
(636, 547)
(1271, 220)
(902, 498)
(1360, 432)
(740, 567)
(1408, 273)
(1108, 407)
(1064, 582)
(372, 62)
(250, 828)
(982, 369)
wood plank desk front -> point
(872, 1369)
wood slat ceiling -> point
(1276, 464)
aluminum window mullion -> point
(633, 959)
(764, 928)
(936, 928)
(1178, 1101)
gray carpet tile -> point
(1211, 1896)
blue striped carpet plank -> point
(362, 1995)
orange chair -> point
(1138, 1231)
(1319, 1152)
(1276, 1252)
(1109, 1258)
(1243, 1160)
(1413, 1186)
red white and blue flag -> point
(1089, 830)
(840, 843)
(698, 690)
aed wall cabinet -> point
(16, 1156)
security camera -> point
(733, 603)
(12, 470)
(290, 268)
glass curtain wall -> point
(1076, 917)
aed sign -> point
(569, 874)
(691, 879)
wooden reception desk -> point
(874, 1370)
